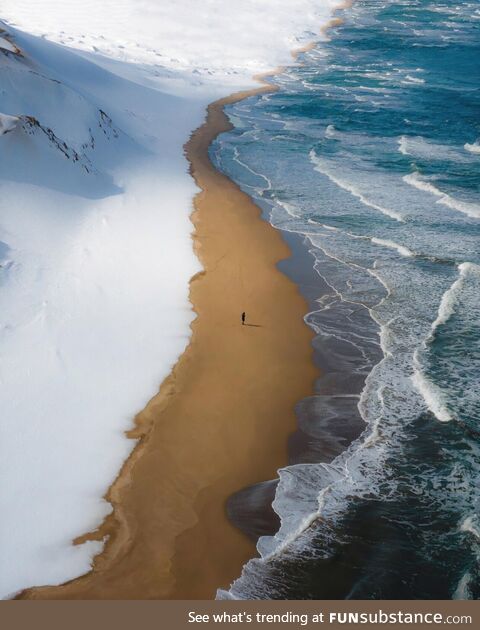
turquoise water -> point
(370, 153)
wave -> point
(290, 209)
(330, 131)
(471, 525)
(410, 79)
(470, 209)
(432, 395)
(450, 297)
(401, 249)
(322, 168)
(462, 591)
(472, 148)
(402, 145)
(298, 501)
(420, 147)
(415, 180)
(423, 184)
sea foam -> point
(432, 395)
(471, 525)
(450, 297)
(420, 147)
(401, 249)
(473, 148)
(421, 183)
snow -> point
(209, 41)
(95, 238)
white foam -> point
(330, 131)
(299, 500)
(415, 180)
(420, 147)
(450, 297)
(322, 167)
(471, 525)
(410, 79)
(425, 185)
(462, 592)
(470, 209)
(472, 148)
(237, 159)
(289, 208)
(401, 249)
(403, 146)
(431, 394)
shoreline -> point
(188, 548)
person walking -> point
(244, 315)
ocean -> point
(367, 158)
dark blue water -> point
(369, 153)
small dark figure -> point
(243, 318)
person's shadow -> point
(253, 325)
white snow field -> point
(95, 237)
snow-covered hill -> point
(95, 246)
(95, 262)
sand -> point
(220, 421)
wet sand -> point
(220, 421)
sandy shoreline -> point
(220, 421)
